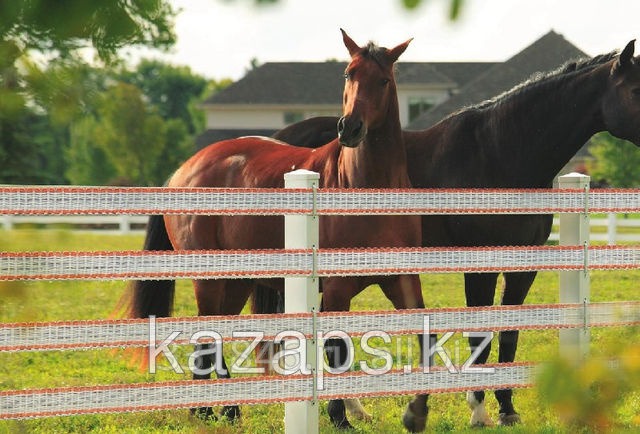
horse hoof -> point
(508, 419)
(355, 409)
(482, 422)
(479, 416)
(414, 422)
(230, 412)
(479, 424)
(337, 414)
(204, 413)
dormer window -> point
(419, 105)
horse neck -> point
(536, 133)
(380, 161)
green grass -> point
(65, 300)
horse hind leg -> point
(217, 297)
(516, 288)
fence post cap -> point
(302, 174)
(574, 175)
(574, 180)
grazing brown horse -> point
(520, 139)
(369, 153)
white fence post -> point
(574, 285)
(124, 224)
(7, 222)
(301, 295)
(612, 229)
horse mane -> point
(376, 53)
(558, 75)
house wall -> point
(244, 119)
(251, 116)
(262, 117)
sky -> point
(219, 38)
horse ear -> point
(351, 46)
(625, 58)
(395, 52)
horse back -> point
(249, 162)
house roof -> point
(289, 83)
(547, 53)
(462, 72)
(286, 83)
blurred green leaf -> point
(411, 4)
(454, 11)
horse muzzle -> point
(350, 131)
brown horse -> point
(369, 153)
(520, 139)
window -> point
(419, 105)
(293, 117)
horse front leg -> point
(516, 288)
(480, 289)
(405, 292)
(337, 355)
(337, 293)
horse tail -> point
(151, 297)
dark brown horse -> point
(369, 153)
(520, 139)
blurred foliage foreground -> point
(585, 395)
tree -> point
(155, 92)
(178, 147)
(55, 31)
(131, 134)
(126, 142)
(170, 89)
(616, 161)
(87, 163)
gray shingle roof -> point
(286, 83)
(292, 83)
(547, 53)
(462, 72)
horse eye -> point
(347, 76)
(385, 81)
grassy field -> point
(65, 300)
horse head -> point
(369, 89)
(621, 103)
